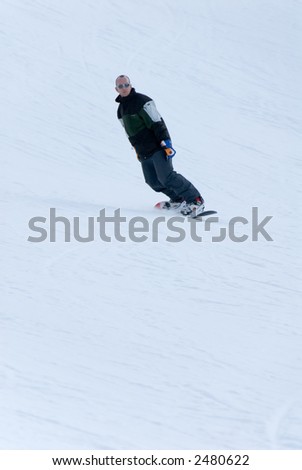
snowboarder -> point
(148, 134)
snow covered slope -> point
(157, 344)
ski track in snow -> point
(164, 345)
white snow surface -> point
(157, 344)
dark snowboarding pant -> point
(161, 177)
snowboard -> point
(162, 205)
(202, 214)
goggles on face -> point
(122, 85)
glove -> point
(136, 153)
(167, 146)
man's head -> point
(123, 85)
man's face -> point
(121, 88)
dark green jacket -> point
(142, 122)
